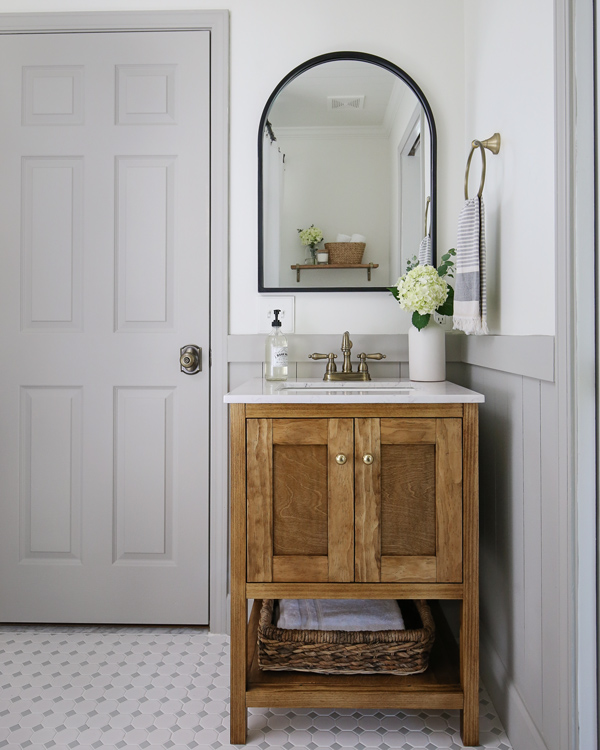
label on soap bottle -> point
(279, 356)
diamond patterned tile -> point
(141, 688)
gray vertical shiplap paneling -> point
(552, 696)
(532, 679)
(520, 517)
(521, 521)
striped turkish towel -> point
(470, 304)
(425, 251)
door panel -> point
(300, 500)
(367, 501)
(411, 506)
(449, 499)
(104, 188)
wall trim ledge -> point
(518, 724)
(529, 356)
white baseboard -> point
(518, 724)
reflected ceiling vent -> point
(346, 102)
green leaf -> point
(394, 291)
(443, 269)
(448, 307)
(420, 321)
(446, 256)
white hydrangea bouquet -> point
(311, 238)
(423, 290)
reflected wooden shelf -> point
(326, 266)
(437, 688)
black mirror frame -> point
(313, 62)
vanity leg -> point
(469, 619)
(237, 695)
(239, 610)
(469, 675)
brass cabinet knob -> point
(341, 459)
(368, 458)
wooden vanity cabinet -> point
(355, 501)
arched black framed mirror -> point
(347, 143)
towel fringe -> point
(475, 326)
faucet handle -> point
(364, 357)
(331, 356)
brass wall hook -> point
(492, 144)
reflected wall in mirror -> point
(347, 143)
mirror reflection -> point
(347, 147)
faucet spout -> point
(346, 349)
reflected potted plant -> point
(311, 238)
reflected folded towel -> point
(343, 238)
(340, 614)
(425, 251)
(358, 238)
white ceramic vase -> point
(427, 352)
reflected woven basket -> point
(345, 253)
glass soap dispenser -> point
(276, 352)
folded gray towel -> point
(340, 614)
(470, 304)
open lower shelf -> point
(327, 266)
(436, 688)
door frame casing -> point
(217, 23)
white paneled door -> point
(104, 276)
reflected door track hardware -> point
(190, 359)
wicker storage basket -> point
(346, 652)
(345, 253)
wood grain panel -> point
(353, 410)
(367, 501)
(354, 590)
(341, 500)
(469, 624)
(300, 499)
(408, 431)
(300, 568)
(449, 499)
(300, 431)
(239, 613)
(408, 515)
(410, 568)
(259, 484)
(436, 698)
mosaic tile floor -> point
(86, 688)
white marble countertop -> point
(376, 391)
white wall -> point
(341, 185)
(509, 88)
(424, 37)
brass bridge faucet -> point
(347, 373)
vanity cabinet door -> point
(408, 500)
(300, 504)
